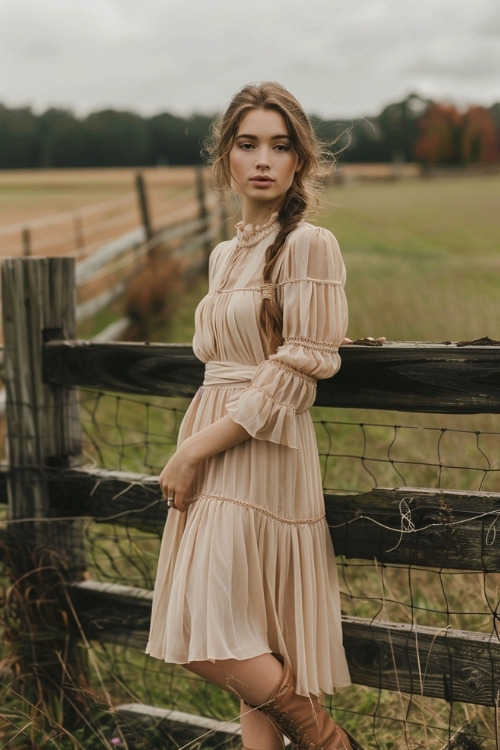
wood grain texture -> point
(436, 378)
(406, 526)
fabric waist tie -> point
(230, 374)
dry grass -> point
(30, 194)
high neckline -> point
(249, 235)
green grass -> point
(421, 255)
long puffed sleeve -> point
(310, 289)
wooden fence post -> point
(78, 231)
(203, 210)
(143, 205)
(26, 240)
(43, 435)
(224, 234)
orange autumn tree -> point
(439, 135)
(479, 137)
(448, 136)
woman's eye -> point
(246, 146)
(282, 147)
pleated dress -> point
(249, 568)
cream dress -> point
(250, 568)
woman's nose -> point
(262, 161)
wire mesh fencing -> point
(358, 452)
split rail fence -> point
(44, 367)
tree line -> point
(415, 129)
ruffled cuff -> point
(268, 408)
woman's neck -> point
(258, 214)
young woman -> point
(246, 592)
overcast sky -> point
(341, 58)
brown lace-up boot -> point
(303, 720)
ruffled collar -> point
(249, 235)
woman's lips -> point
(261, 180)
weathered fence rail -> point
(78, 230)
(439, 378)
(45, 365)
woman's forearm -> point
(216, 438)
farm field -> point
(26, 195)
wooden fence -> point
(45, 364)
(154, 199)
(187, 226)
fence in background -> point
(112, 242)
(149, 206)
(394, 529)
(190, 239)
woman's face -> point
(262, 160)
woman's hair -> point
(300, 196)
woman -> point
(246, 593)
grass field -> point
(422, 257)
(423, 263)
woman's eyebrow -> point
(249, 136)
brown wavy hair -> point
(301, 195)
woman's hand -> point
(177, 478)
(178, 475)
(368, 340)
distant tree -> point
(495, 116)
(399, 125)
(479, 137)
(111, 138)
(413, 128)
(18, 138)
(60, 139)
(367, 142)
(175, 140)
(166, 139)
(440, 134)
(198, 129)
(448, 136)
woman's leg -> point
(251, 679)
(257, 732)
(264, 682)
